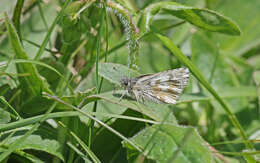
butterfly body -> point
(162, 87)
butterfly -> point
(162, 87)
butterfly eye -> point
(127, 83)
(124, 82)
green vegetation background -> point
(61, 63)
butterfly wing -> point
(163, 87)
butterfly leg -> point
(123, 94)
(139, 97)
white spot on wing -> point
(166, 87)
(168, 99)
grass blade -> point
(32, 84)
(82, 144)
(17, 16)
(48, 35)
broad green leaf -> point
(158, 112)
(4, 116)
(36, 142)
(206, 56)
(170, 143)
(115, 72)
(203, 18)
(249, 24)
(34, 84)
(155, 59)
(241, 67)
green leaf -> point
(206, 56)
(249, 24)
(33, 84)
(203, 18)
(115, 72)
(170, 143)
(158, 112)
(37, 143)
(4, 116)
(209, 61)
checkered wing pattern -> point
(162, 87)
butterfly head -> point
(124, 82)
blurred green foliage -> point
(60, 68)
